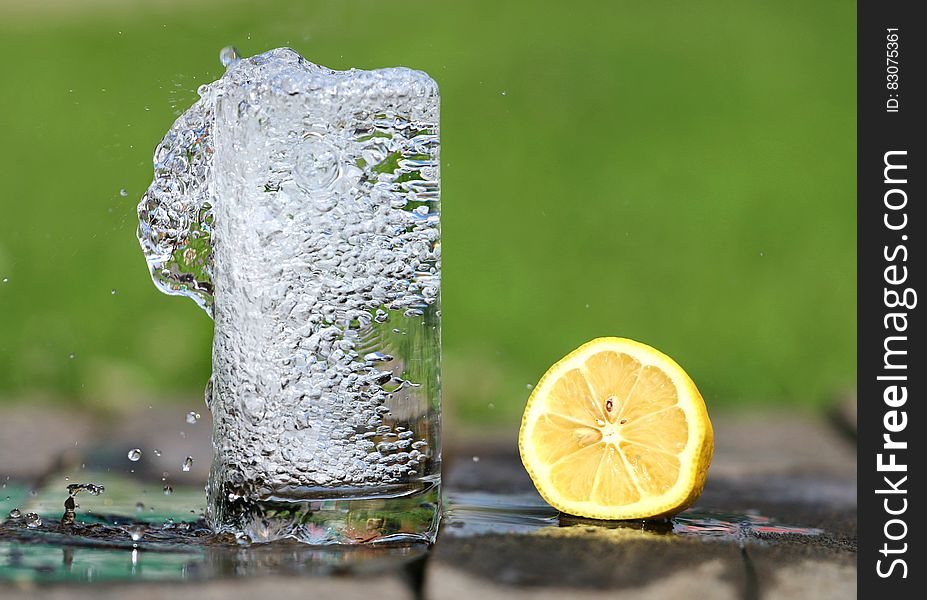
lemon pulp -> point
(616, 430)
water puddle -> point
(132, 531)
(477, 513)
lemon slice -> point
(616, 430)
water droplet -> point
(72, 356)
(124, 192)
(187, 463)
(134, 454)
(476, 459)
(505, 93)
(15, 514)
(5, 279)
(156, 452)
(33, 520)
(168, 490)
(139, 507)
(529, 386)
(193, 417)
(137, 531)
(113, 291)
(228, 56)
(242, 539)
(491, 406)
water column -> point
(322, 189)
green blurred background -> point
(682, 173)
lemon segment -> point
(616, 430)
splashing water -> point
(176, 213)
(136, 531)
(314, 193)
(91, 488)
(229, 56)
(32, 520)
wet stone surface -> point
(776, 520)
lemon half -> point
(616, 430)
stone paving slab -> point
(706, 582)
(596, 565)
(794, 470)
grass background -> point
(680, 173)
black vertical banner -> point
(891, 369)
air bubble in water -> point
(193, 417)
(134, 454)
(187, 463)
